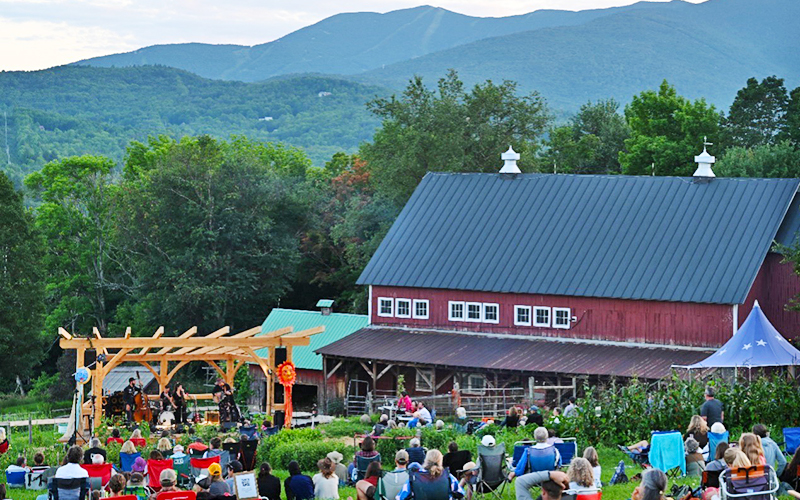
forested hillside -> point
(79, 110)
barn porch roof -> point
(502, 353)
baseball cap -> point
(215, 470)
(401, 457)
(488, 440)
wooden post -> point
(229, 371)
(97, 392)
(324, 405)
(270, 384)
(163, 376)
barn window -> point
(403, 308)
(455, 311)
(491, 313)
(541, 317)
(385, 307)
(561, 317)
(421, 309)
(476, 384)
(474, 311)
(522, 315)
(424, 380)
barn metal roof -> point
(337, 326)
(117, 378)
(649, 238)
(790, 229)
(458, 350)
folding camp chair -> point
(710, 479)
(16, 479)
(126, 497)
(568, 449)
(224, 460)
(791, 436)
(249, 431)
(233, 449)
(492, 476)
(758, 482)
(248, 457)
(715, 438)
(126, 460)
(176, 495)
(519, 449)
(362, 463)
(390, 484)
(37, 478)
(182, 469)
(139, 442)
(68, 489)
(597, 495)
(154, 470)
(455, 461)
(195, 453)
(99, 475)
(667, 452)
(424, 487)
(199, 466)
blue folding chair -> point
(126, 460)
(715, 438)
(791, 435)
(519, 449)
(568, 449)
(667, 452)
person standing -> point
(712, 410)
(572, 409)
(129, 397)
(179, 398)
(223, 395)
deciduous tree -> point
(757, 114)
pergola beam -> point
(185, 335)
(173, 342)
(241, 335)
(156, 335)
(213, 335)
(303, 333)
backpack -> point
(619, 476)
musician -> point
(129, 397)
(223, 395)
(179, 397)
(167, 403)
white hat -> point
(488, 441)
(178, 448)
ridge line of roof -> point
(316, 312)
(611, 176)
(533, 338)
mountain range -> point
(706, 50)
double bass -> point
(141, 410)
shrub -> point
(307, 453)
(286, 436)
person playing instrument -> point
(129, 397)
(179, 397)
(167, 403)
(223, 395)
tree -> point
(602, 120)
(768, 160)
(757, 114)
(450, 130)
(211, 229)
(792, 118)
(567, 154)
(75, 219)
(21, 288)
(667, 131)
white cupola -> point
(704, 162)
(510, 158)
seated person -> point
(20, 466)
(553, 484)
(177, 452)
(512, 418)
(552, 438)
(590, 454)
(234, 467)
(434, 470)
(772, 452)
(652, 487)
(38, 462)
(215, 449)
(698, 430)
(455, 459)
(97, 459)
(718, 463)
(136, 486)
(94, 449)
(338, 468)
(298, 486)
(218, 486)
(4, 444)
(416, 453)
(468, 479)
(695, 464)
(367, 451)
(365, 488)
(539, 457)
(116, 486)
(581, 476)
(164, 446)
(197, 445)
(404, 403)
(380, 427)
(168, 480)
(269, 486)
(642, 446)
(72, 469)
(534, 417)
(114, 437)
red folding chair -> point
(139, 442)
(126, 497)
(201, 465)
(176, 495)
(154, 469)
(597, 495)
(99, 474)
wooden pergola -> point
(171, 354)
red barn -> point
(534, 280)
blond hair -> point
(740, 460)
(137, 433)
(697, 424)
(433, 463)
(580, 471)
(164, 445)
(127, 447)
(751, 445)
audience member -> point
(698, 430)
(72, 469)
(581, 476)
(553, 484)
(94, 447)
(215, 448)
(455, 459)
(338, 467)
(416, 453)
(164, 445)
(433, 467)
(365, 488)
(750, 444)
(552, 438)
(4, 444)
(116, 486)
(234, 467)
(136, 486)
(20, 466)
(718, 463)
(269, 486)
(326, 483)
(590, 454)
(380, 427)
(539, 457)
(772, 452)
(128, 447)
(404, 403)
(169, 482)
(197, 445)
(572, 409)
(534, 417)
(512, 418)
(468, 479)
(298, 486)
(139, 465)
(177, 452)
(217, 486)
(114, 437)
(711, 411)
(38, 461)
(652, 487)
(394, 481)
(156, 455)
(695, 463)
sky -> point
(38, 34)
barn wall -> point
(775, 285)
(655, 322)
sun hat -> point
(215, 470)
(469, 466)
(488, 440)
(335, 457)
(138, 465)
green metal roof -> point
(324, 303)
(337, 326)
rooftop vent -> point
(325, 306)
(510, 158)
(704, 162)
